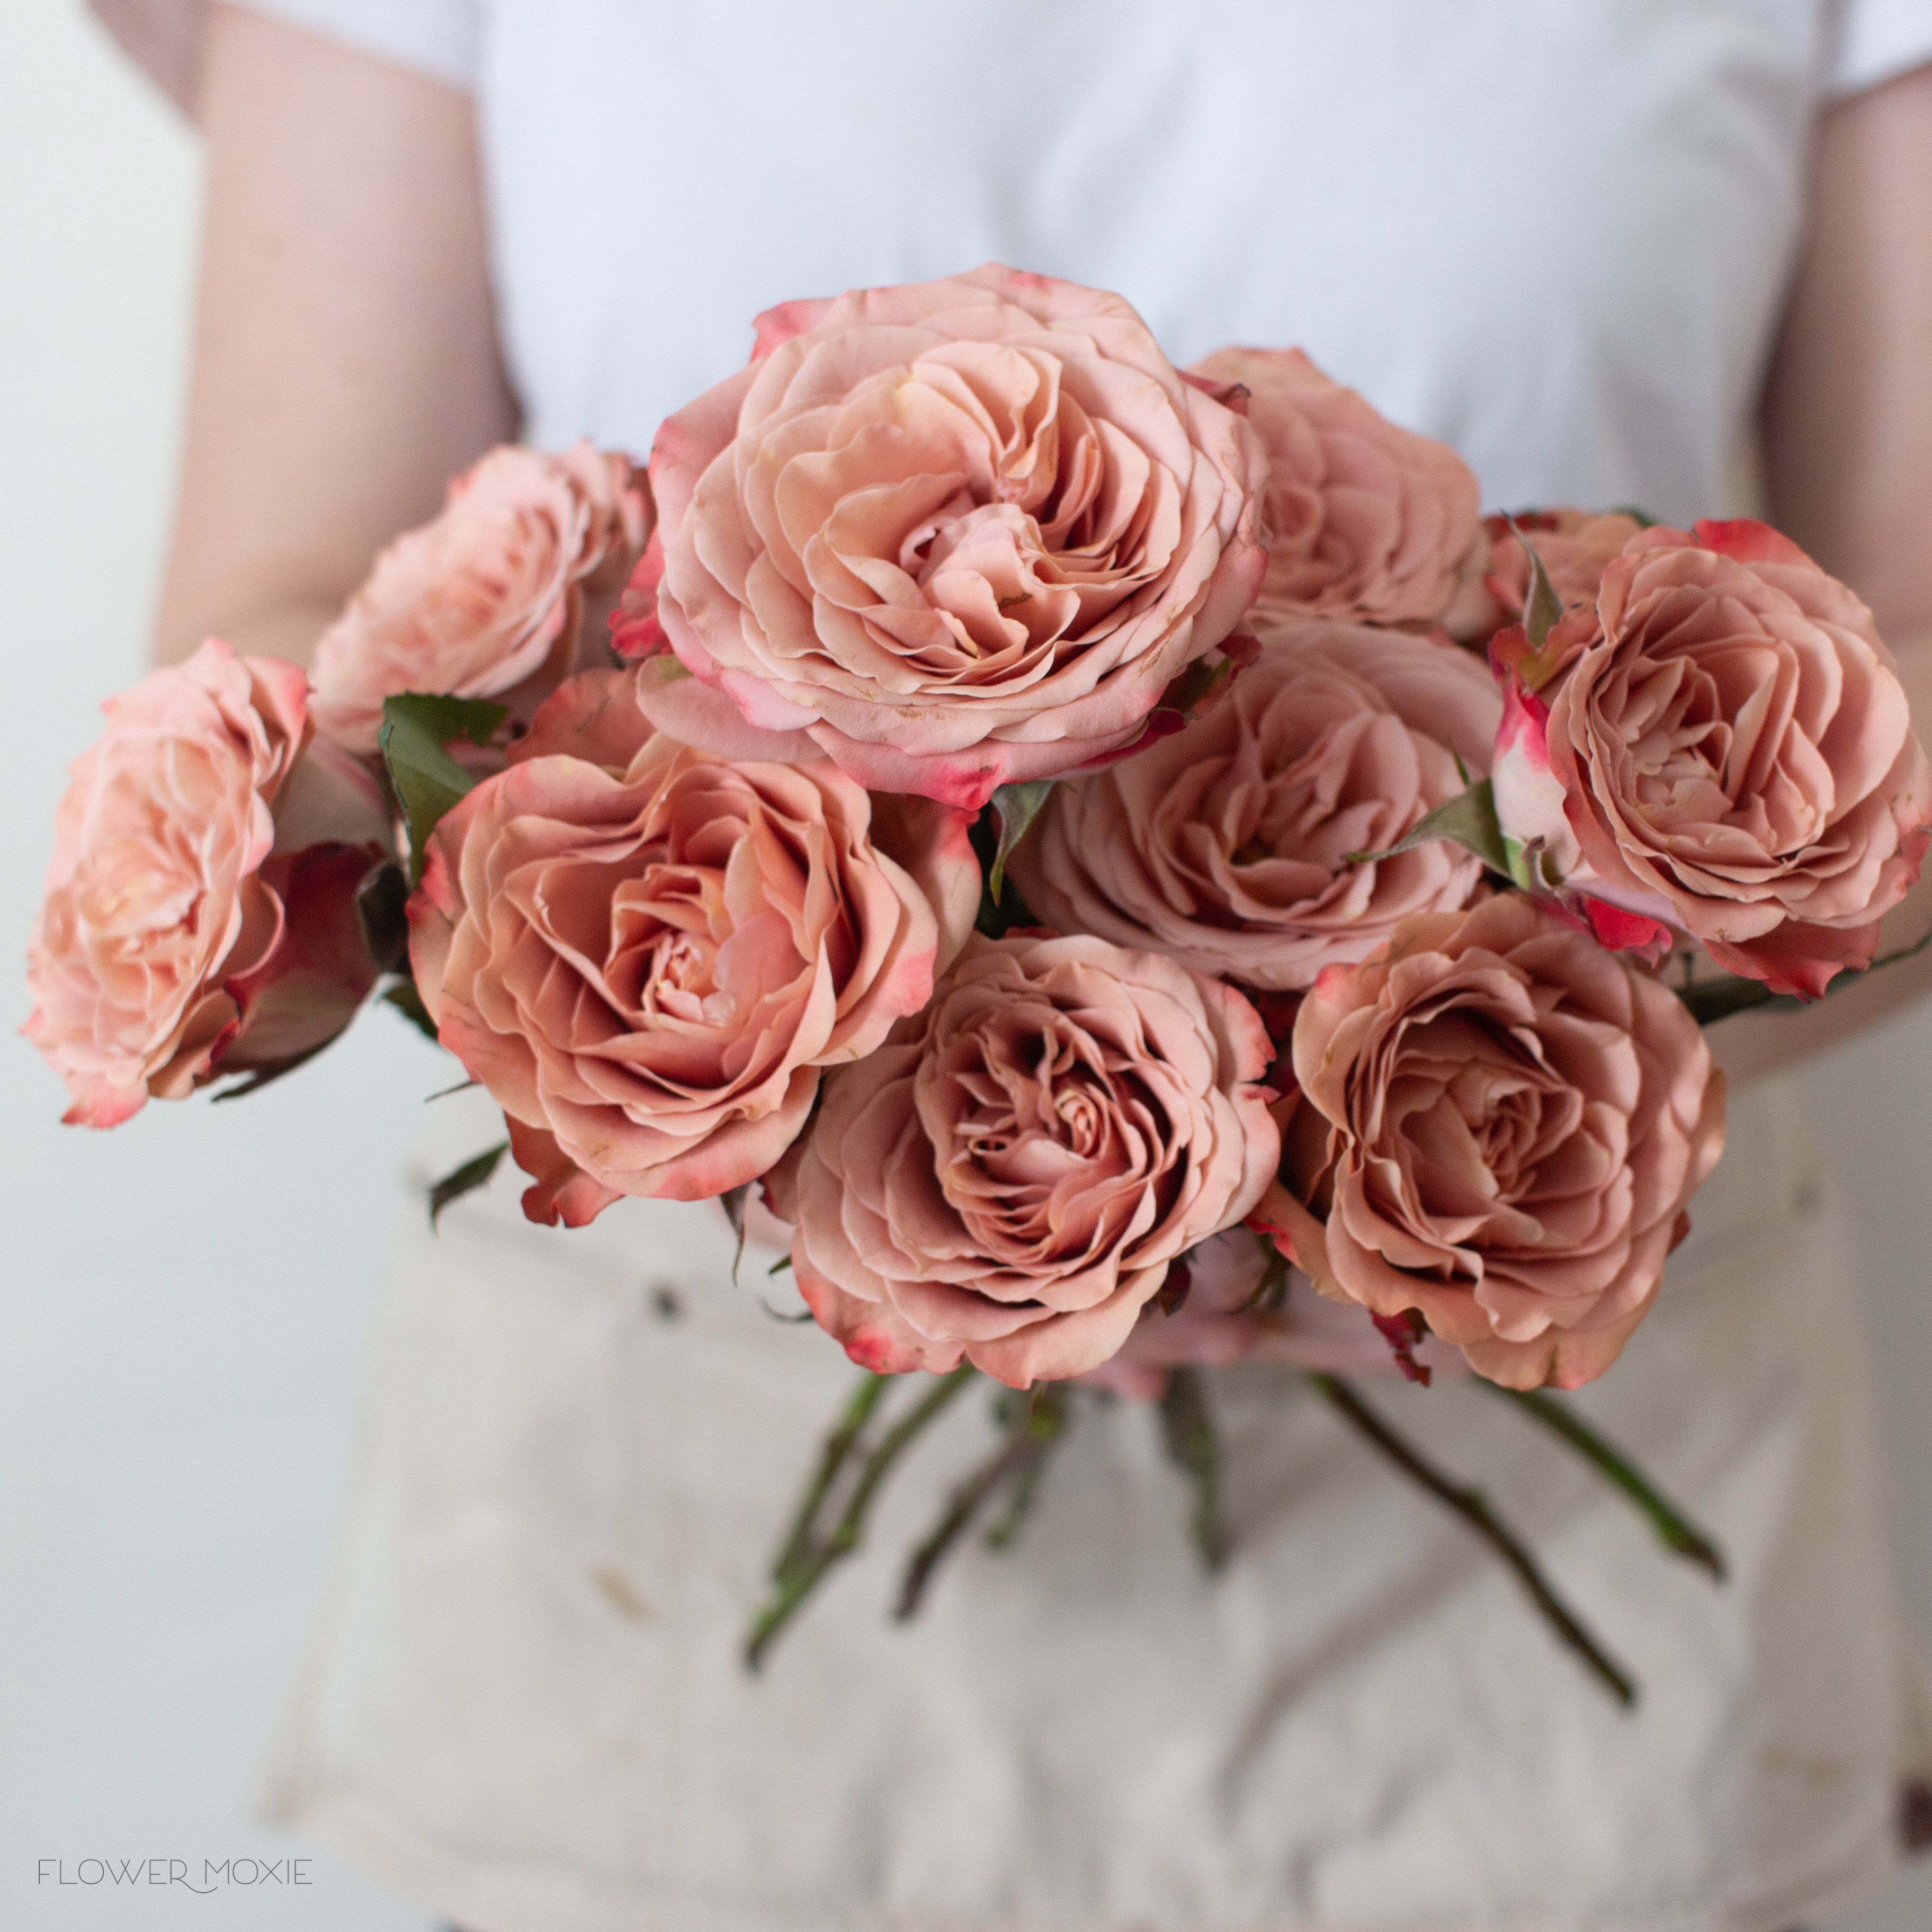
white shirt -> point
(1555, 233)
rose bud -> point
(1225, 845)
(1722, 745)
(200, 912)
(1498, 1125)
(492, 599)
(648, 953)
(962, 533)
(1367, 523)
(1009, 1179)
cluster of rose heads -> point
(1130, 865)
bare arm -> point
(1848, 458)
(346, 362)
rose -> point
(488, 599)
(963, 533)
(1366, 521)
(648, 953)
(199, 913)
(1728, 750)
(1008, 1180)
(1231, 1313)
(1498, 1125)
(1225, 845)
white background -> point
(183, 1304)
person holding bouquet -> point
(1592, 248)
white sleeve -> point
(436, 37)
(1869, 41)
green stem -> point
(1674, 1530)
(1028, 1438)
(1187, 1425)
(1473, 1507)
(808, 1571)
(838, 1446)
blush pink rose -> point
(1367, 523)
(648, 953)
(1008, 1180)
(199, 913)
(1499, 1125)
(1218, 1322)
(962, 533)
(1225, 845)
(1730, 752)
(491, 599)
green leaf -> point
(465, 1180)
(263, 1076)
(427, 780)
(407, 1001)
(1642, 518)
(1468, 820)
(1015, 807)
(1542, 607)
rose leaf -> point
(416, 726)
(1542, 607)
(1015, 807)
(407, 1001)
(473, 1174)
(1468, 819)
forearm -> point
(345, 363)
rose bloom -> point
(1500, 1124)
(1575, 546)
(1225, 845)
(962, 532)
(200, 912)
(1728, 752)
(648, 952)
(491, 597)
(1366, 522)
(1008, 1180)
(1219, 1323)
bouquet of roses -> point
(1115, 870)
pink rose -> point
(648, 953)
(1500, 1125)
(962, 533)
(1008, 1180)
(1225, 845)
(1729, 750)
(489, 599)
(200, 916)
(1367, 523)
(1219, 1322)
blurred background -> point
(185, 1304)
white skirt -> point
(525, 1704)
